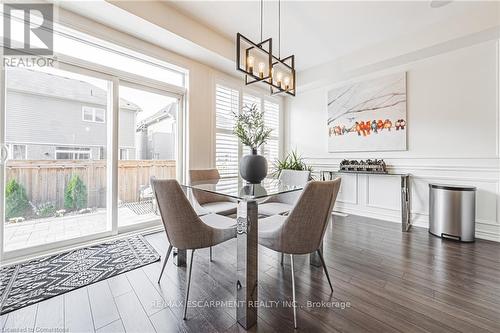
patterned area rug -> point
(141, 208)
(40, 279)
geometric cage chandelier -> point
(259, 64)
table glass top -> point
(238, 188)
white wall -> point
(453, 126)
(201, 86)
(200, 122)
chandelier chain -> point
(279, 29)
(261, 19)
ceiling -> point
(321, 31)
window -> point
(272, 120)
(99, 115)
(249, 100)
(17, 152)
(226, 143)
(79, 45)
(42, 108)
(124, 154)
(73, 153)
(227, 147)
(96, 115)
(102, 153)
(148, 148)
(90, 76)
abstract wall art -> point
(368, 115)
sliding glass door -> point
(56, 144)
(79, 149)
(148, 148)
(80, 140)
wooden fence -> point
(46, 180)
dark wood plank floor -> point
(384, 281)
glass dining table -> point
(247, 196)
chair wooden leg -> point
(293, 293)
(282, 255)
(326, 270)
(165, 262)
(188, 284)
(210, 253)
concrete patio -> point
(47, 230)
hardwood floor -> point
(384, 281)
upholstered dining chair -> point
(209, 202)
(206, 203)
(302, 231)
(283, 203)
(184, 228)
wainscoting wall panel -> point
(453, 137)
(380, 196)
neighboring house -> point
(52, 117)
(156, 135)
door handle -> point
(4, 153)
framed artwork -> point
(368, 115)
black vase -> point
(253, 167)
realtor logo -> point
(28, 29)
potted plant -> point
(253, 133)
(293, 161)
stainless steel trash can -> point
(452, 212)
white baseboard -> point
(483, 231)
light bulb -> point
(250, 62)
(279, 77)
(287, 82)
(261, 69)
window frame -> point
(115, 77)
(277, 137)
(245, 90)
(93, 114)
(74, 151)
(11, 151)
(224, 131)
(127, 153)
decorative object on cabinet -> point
(368, 166)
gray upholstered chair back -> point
(185, 230)
(294, 178)
(205, 175)
(305, 227)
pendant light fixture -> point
(259, 64)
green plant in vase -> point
(251, 130)
(292, 161)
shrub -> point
(47, 209)
(75, 194)
(16, 200)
